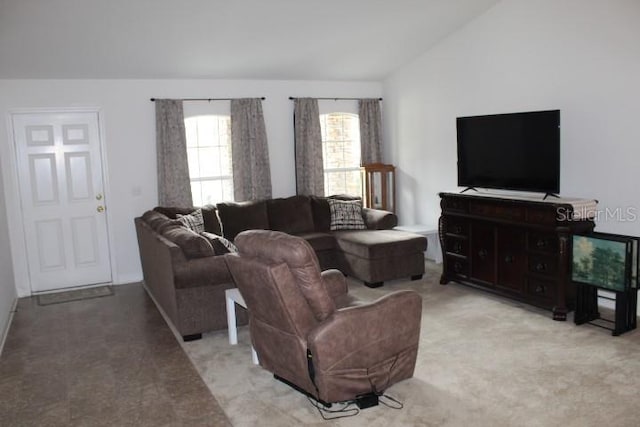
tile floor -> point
(108, 361)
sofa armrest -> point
(208, 271)
(334, 282)
(377, 219)
(157, 256)
(368, 333)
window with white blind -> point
(341, 152)
(209, 154)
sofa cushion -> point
(220, 245)
(155, 219)
(321, 213)
(169, 223)
(319, 241)
(209, 215)
(373, 244)
(193, 221)
(291, 215)
(192, 244)
(346, 215)
(238, 217)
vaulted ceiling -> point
(243, 39)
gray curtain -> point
(370, 131)
(308, 146)
(174, 187)
(249, 151)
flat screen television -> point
(517, 151)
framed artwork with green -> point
(607, 261)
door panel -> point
(51, 248)
(61, 186)
(85, 245)
(44, 179)
(78, 170)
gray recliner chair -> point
(307, 329)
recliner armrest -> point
(334, 282)
(362, 335)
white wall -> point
(129, 125)
(7, 287)
(579, 56)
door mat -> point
(75, 295)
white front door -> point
(61, 190)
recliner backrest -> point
(276, 248)
(271, 294)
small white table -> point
(234, 297)
(433, 251)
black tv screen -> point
(518, 151)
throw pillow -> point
(237, 217)
(220, 245)
(292, 215)
(193, 221)
(192, 244)
(346, 215)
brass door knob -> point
(100, 208)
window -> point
(341, 152)
(209, 154)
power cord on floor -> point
(344, 412)
(393, 402)
(349, 408)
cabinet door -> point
(512, 259)
(483, 255)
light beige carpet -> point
(483, 361)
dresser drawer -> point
(456, 226)
(457, 266)
(457, 246)
(542, 216)
(543, 264)
(497, 210)
(541, 291)
(541, 242)
(454, 204)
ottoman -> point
(379, 255)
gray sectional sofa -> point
(187, 277)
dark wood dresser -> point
(513, 247)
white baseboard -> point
(163, 314)
(126, 279)
(3, 338)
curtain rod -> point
(207, 99)
(336, 99)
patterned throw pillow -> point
(220, 245)
(193, 221)
(346, 215)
